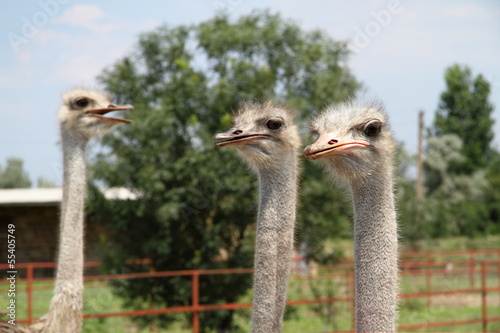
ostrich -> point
(355, 144)
(81, 117)
(266, 137)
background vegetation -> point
(101, 298)
(197, 205)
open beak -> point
(329, 144)
(235, 136)
(99, 113)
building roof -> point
(53, 196)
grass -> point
(461, 243)
(98, 298)
(300, 318)
(454, 244)
(448, 314)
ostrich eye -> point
(373, 129)
(274, 124)
(82, 102)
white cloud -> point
(470, 11)
(87, 16)
(82, 59)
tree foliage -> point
(45, 183)
(408, 214)
(492, 199)
(196, 206)
(456, 206)
(13, 175)
(461, 165)
(464, 110)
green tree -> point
(408, 214)
(13, 175)
(45, 183)
(460, 167)
(493, 195)
(456, 206)
(196, 205)
(464, 110)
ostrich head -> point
(264, 134)
(353, 140)
(82, 112)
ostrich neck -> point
(274, 244)
(277, 196)
(376, 254)
(70, 260)
(66, 305)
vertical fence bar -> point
(29, 292)
(472, 270)
(153, 327)
(195, 291)
(483, 297)
(428, 277)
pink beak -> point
(331, 143)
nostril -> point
(332, 141)
(237, 132)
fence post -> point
(472, 269)
(428, 277)
(29, 292)
(483, 296)
(153, 327)
(195, 295)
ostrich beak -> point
(235, 136)
(331, 143)
(99, 113)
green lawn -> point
(301, 318)
(98, 298)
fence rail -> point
(479, 263)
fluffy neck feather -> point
(274, 244)
(376, 253)
(65, 313)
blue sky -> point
(401, 49)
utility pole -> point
(419, 185)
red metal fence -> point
(478, 266)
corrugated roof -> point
(53, 196)
(40, 196)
